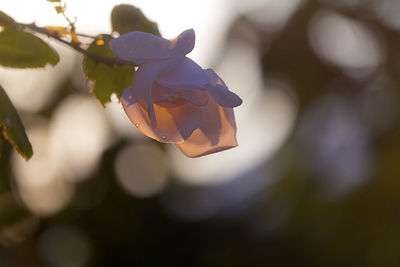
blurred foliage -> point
(20, 49)
(300, 220)
(106, 79)
(13, 129)
(127, 18)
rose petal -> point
(140, 47)
(220, 92)
(171, 97)
(196, 97)
(217, 132)
(186, 76)
(184, 42)
(144, 79)
(174, 124)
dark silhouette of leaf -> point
(127, 18)
(13, 129)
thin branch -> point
(86, 35)
(75, 46)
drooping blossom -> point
(172, 99)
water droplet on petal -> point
(163, 138)
(137, 124)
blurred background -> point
(315, 180)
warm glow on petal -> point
(217, 132)
(171, 97)
(196, 97)
(174, 123)
(143, 82)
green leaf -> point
(106, 79)
(13, 129)
(127, 18)
(20, 49)
(6, 20)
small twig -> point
(61, 9)
(71, 23)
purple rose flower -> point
(174, 100)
